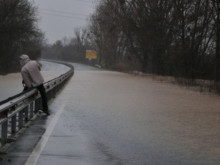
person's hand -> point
(25, 89)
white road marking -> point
(33, 158)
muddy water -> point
(136, 120)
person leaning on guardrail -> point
(32, 78)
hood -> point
(24, 59)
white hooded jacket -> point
(30, 72)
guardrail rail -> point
(17, 111)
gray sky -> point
(58, 18)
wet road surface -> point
(104, 117)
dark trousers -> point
(43, 94)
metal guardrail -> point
(16, 112)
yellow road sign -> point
(91, 54)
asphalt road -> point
(112, 118)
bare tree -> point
(216, 18)
(17, 29)
(73, 49)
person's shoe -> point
(47, 113)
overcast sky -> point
(58, 18)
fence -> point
(20, 109)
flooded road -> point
(112, 118)
(117, 118)
(135, 120)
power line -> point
(65, 16)
(63, 12)
(88, 1)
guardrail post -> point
(20, 119)
(4, 132)
(38, 104)
(13, 124)
(26, 113)
(32, 109)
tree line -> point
(179, 38)
(18, 33)
(69, 49)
